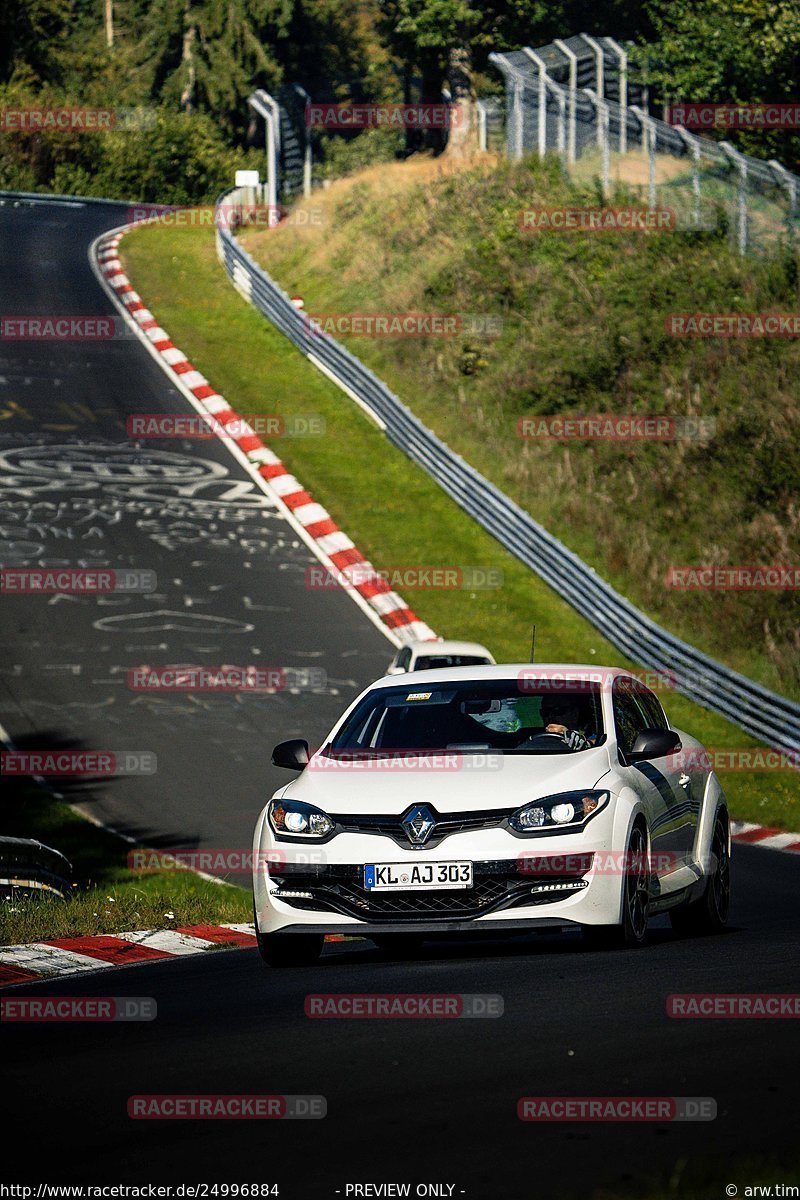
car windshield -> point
(430, 662)
(506, 716)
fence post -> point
(788, 181)
(483, 140)
(516, 93)
(603, 139)
(623, 92)
(262, 103)
(740, 162)
(542, 114)
(272, 173)
(599, 72)
(572, 57)
(693, 144)
(561, 100)
(649, 146)
(304, 96)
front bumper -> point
(519, 883)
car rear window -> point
(430, 662)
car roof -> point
(447, 647)
(504, 671)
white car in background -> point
(429, 656)
(505, 799)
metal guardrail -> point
(29, 866)
(766, 715)
(762, 713)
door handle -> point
(685, 781)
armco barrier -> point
(762, 713)
(30, 867)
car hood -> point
(447, 782)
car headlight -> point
(292, 818)
(569, 810)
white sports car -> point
(428, 656)
(500, 799)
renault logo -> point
(419, 825)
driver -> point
(569, 718)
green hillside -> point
(584, 332)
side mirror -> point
(396, 671)
(654, 743)
(292, 754)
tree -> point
(334, 51)
(430, 36)
(29, 32)
(450, 40)
(746, 51)
(210, 55)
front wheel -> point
(632, 932)
(709, 914)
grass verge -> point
(108, 897)
(390, 507)
(584, 331)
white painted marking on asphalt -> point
(777, 841)
(168, 940)
(36, 956)
(215, 403)
(334, 543)
(292, 518)
(285, 485)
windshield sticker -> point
(418, 696)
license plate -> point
(417, 877)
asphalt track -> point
(409, 1101)
(75, 489)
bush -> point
(345, 155)
(169, 158)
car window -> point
(629, 718)
(652, 708)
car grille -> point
(446, 825)
(497, 885)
